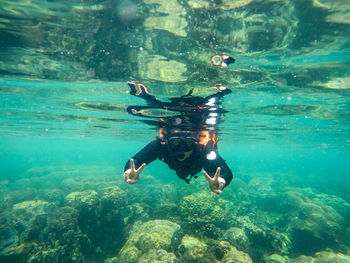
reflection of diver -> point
(222, 60)
(187, 140)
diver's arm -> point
(147, 155)
(140, 90)
(222, 91)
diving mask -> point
(181, 144)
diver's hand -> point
(131, 176)
(216, 183)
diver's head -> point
(180, 144)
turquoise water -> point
(65, 135)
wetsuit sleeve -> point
(210, 167)
(148, 154)
(219, 95)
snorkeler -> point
(187, 141)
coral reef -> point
(155, 241)
(262, 220)
(82, 225)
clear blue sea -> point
(65, 134)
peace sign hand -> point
(131, 176)
(216, 183)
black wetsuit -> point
(187, 168)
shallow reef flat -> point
(87, 214)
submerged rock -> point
(347, 235)
(64, 240)
(19, 253)
(33, 231)
(192, 249)
(234, 255)
(302, 221)
(112, 198)
(83, 201)
(152, 235)
(99, 216)
(65, 220)
(105, 200)
(158, 256)
(174, 21)
(50, 238)
(328, 256)
(229, 5)
(342, 83)
(203, 206)
(160, 68)
(111, 260)
(28, 209)
(339, 10)
(31, 218)
(203, 212)
(9, 230)
(237, 238)
(262, 239)
(302, 259)
(133, 213)
(317, 226)
(55, 196)
(275, 258)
